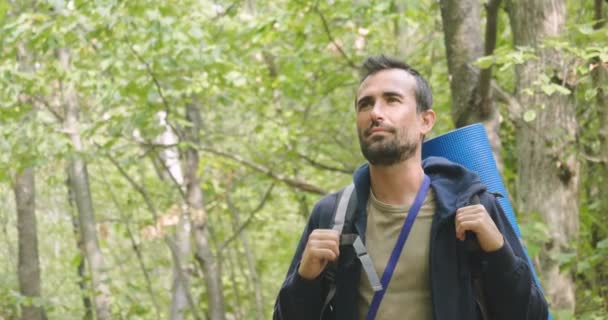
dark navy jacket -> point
(508, 285)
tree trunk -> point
(81, 269)
(173, 171)
(203, 253)
(599, 171)
(79, 182)
(181, 279)
(29, 265)
(25, 200)
(547, 167)
(249, 255)
(600, 80)
(230, 257)
(470, 88)
(598, 14)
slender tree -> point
(25, 200)
(29, 264)
(598, 168)
(200, 231)
(600, 80)
(239, 228)
(471, 90)
(81, 268)
(181, 280)
(79, 182)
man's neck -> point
(397, 184)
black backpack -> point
(343, 222)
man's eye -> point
(364, 105)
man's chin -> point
(375, 148)
(375, 140)
(384, 154)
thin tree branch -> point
(134, 246)
(254, 283)
(156, 83)
(249, 219)
(312, 162)
(47, 106)
(514, 107)
(295, 183)
(153, 145)
(324, 166)
(144, 193)
(593, 159)
(141, 190)
(235, 288)
(331, 38)
(227, 11)
(173, 179)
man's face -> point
(390, 130)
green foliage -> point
(534, 230)
(275, 81)
(506, 58)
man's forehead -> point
(394, 80)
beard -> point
(386, 150)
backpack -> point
(343, 222)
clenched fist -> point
(475, 218)
(322, 247)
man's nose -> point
(377, 113)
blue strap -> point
(392, 262)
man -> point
(433, 273)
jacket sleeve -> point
(508, 283)
(299, 298)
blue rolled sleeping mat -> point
(469, 146)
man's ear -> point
(427, 121)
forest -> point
(160, 158)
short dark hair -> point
(374, 64)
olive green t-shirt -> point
(408, 295)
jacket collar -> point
(454, 185)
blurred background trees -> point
(159, 159)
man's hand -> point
(322, 247)
(475, 218)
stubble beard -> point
(386, 151)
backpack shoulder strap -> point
(343, 220)
(345, 210)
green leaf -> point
(551, 88)
(602, 244)
(583, 266)
(76, 260)
(565, 258)
(485, 62)
(590, 94)
(585, 29)
(529, 115)
(548, 89)
(563, 90)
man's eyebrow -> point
(392, 94)
(363, 99)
